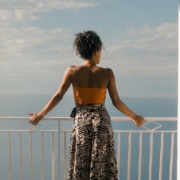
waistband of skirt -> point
(88, 107)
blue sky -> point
(140, 39)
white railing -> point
(142, 169)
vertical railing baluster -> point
(64, 155)
(42, 155)
(59, 150)
(52, 155)
(171, 156)
(129, 157)
(20, 155)
(118, 153)
(161, 156)
(0, 165)
(10, 160)
(0, 171)
(151, 155)
(140, 156)
(31, 157)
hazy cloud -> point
(19, 41)
(24, 10)
(144, 60)
(162, 38)
(146, 49)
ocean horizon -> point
(23, 104)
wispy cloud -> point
(6, 15)
(25, 10)
(146, 57)
(144, 60)
(16, 42)
(162, 38)
(63, 4)
(147, 48)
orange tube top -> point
(89, 95)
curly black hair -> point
(87, 43)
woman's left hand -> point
(36, 117)
(139, 120)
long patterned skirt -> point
(91, 152)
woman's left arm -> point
(56, 98)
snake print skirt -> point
(91, 151)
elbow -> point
(57, 97)
(117, 103)
(114, 103)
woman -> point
(91, 152)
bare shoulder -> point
(75, 68)
(109, 72)
(69, 71)
(71, 68)
(109, 75)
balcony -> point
(33, 153)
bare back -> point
(90, 77)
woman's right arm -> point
(56, 98)
(138, 120)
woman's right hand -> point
(35, 118)
(139, 120)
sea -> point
(20, 105)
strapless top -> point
(89, 95)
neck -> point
(89, 63)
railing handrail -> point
(112, 118)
